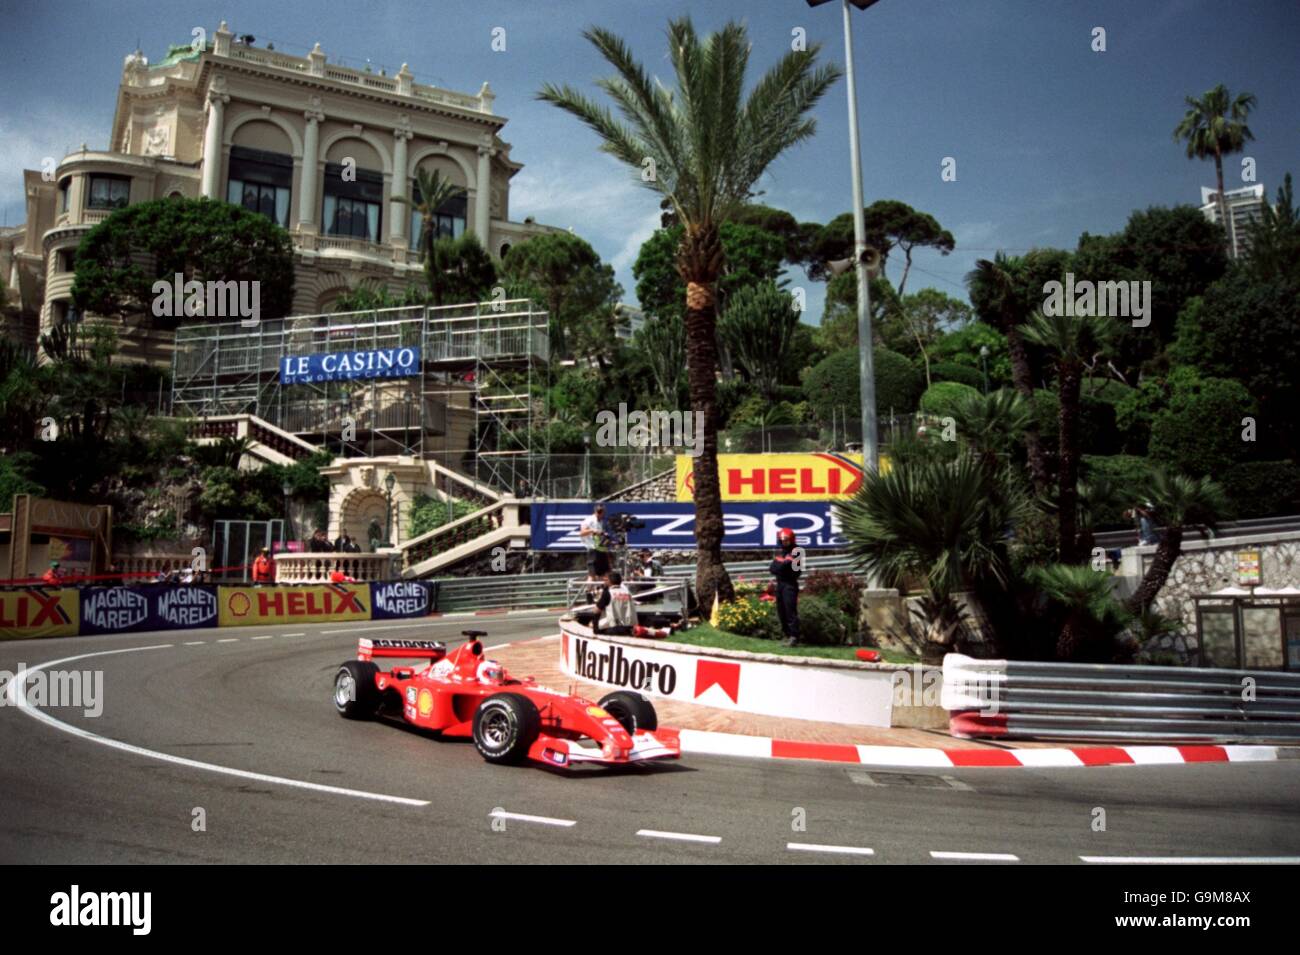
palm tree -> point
(1215, 125)
(434, 192)
(998, 294)
(991, 424)
(703, 147)
(1179, 502)
(941, 522)
(1073, 341)
(1092, 617)
(1096, 495)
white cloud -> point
(599, 198)
(27, 140)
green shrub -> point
(962, 347)
(951, 371)
(899, 382)
(832, 384)
(1098, 433)
(1107, 389)
(1128, 472)
(820, 621)
(1262, 488)
(749, 617)
(429, 512)
(1199, 433)
(842, 591)
(942, 397)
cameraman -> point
(595, 537)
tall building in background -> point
(1245, 205)
(269, 131)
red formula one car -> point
(510, 720)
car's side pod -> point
(368, 648)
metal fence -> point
(1011, 698)
(520, 591)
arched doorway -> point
(363, 513)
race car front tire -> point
(631, 709)
(355, 695)
(505, 726)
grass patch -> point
(705, 635)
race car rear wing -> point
(368, 649)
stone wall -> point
(1204, 567)
(661, 487)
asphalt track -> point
(294, 783)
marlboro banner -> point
(265, 606)
(778, 477)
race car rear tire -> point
(633, 710)
(505, 726)
(355, 695)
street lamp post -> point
(866, 364)
(388, 516)
(287, 488)
(984, 366)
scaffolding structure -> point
(477, 403)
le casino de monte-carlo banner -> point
(343, 366)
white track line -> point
(265, 636)
(678, 836)
(524, 817)
(401, 626)
(976, 856)
(1193, 860)
(18, 695)
(293, 634)
(194, 643)
(228, 640)
(839, 850)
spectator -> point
(264, 568)
(649, 566)
(319, 543)
(53, 575)
(1146, 516)
(346, 545)
(595, 537)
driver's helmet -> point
(490, 671)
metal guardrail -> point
(1012, 698)
(516, 591)
(1258, 525)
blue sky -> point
(1051, 139)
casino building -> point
(227, 119)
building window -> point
(65, 259)
(260, 181)
(109, 192)
(352, 209)
(449, 221)
(65, 191)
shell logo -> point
(239, 604)
(425, 703)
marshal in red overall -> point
(463, 695)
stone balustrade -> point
(316, 568)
